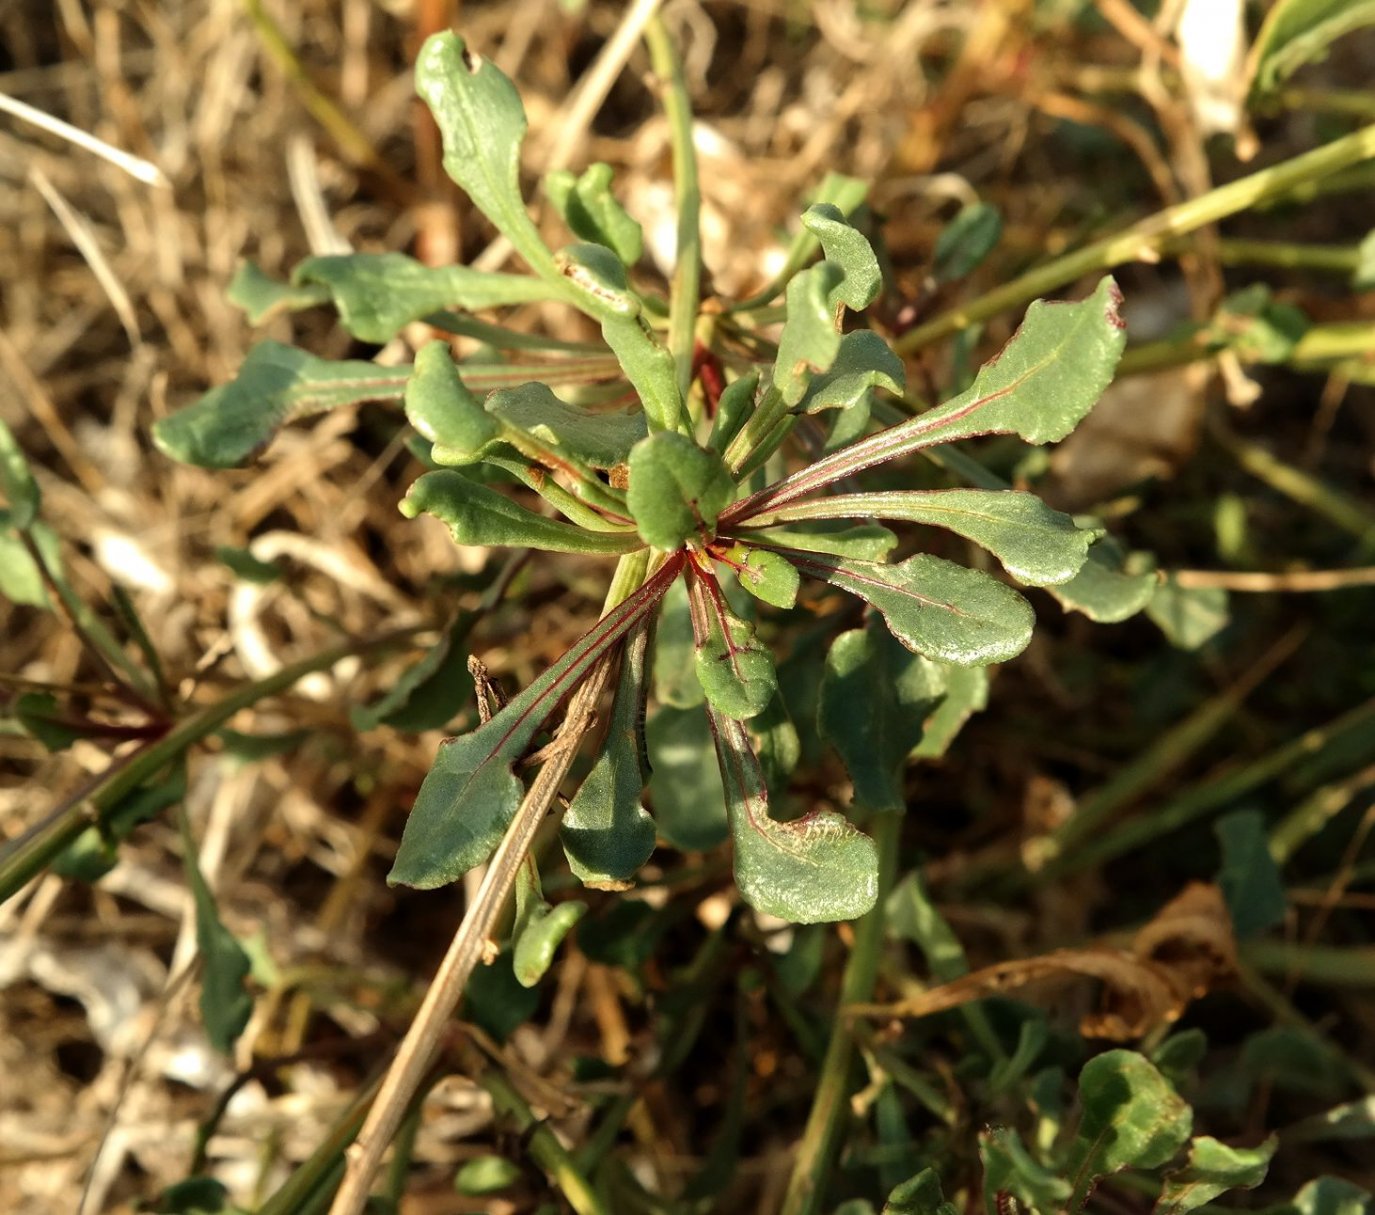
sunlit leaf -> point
(1112, 586)
(485, 1175)
(1190, 616)
(677, 490)
(539, 929)
(1213, 1168)
(864, 542)
(590, 209)
(439, 406)
(277, 384)
(934, 607)
(847, 247)
(767, 576)
(863, 362)
(966, 693)
(262, 297)
(736, 672)
(21, 581)
(809, 342)
(16, 480)
(599, 440)
(733, 410)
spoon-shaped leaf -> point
(848, 248)
(538, 929)
(677, 489)
(811, 870)
(590, 209)
(767, 576)
(934, 607)
(477, 515)
(735, 671)
(1036, 545)
(470, 794)
(607, 834)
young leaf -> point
(650, 369)
(768, 576)
(919, 1195)
(1213, 1168)
(226, 1004)
(471, 792)
(1132, 1119)
(262, 297)
(1112, 586)
(16, 479)
(735, 671)
(440, 407)
(863, 362)
(1010, 1169)
(677, 490)
(277, 384)
(812, 870)
(378, 294)
(934, 607)
(848, 248)
(965, 241)
(684, 782)
(1040, 387)
(477, 515)
(1296, 32)
(864, 542)
(732, 411)
(590, 209)
(1037, 545)
(809, 342)
(1249, 878)
(875, 696)
(606, 833)
(539, 929)
(536, 420)
(482, 123)
(428, 694)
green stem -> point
(27, 856)
(1332, 965)
(1147, 238)
(686, 288)
(1319, 348)
(1314, 813)
(821, 1138)
(316, 1177)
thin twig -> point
(138, 168)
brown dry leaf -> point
(1173, 960)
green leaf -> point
(539, 929)
(1189, 616)
(262, 297)
(1112, 586)
(847, 247)
(736, 672)
(1257, 327)
(482, 123)
(16, 480)
(1249, 878)
(1332, 1196)
(920, 1195)
(472, 791)
(429, 693)
(1213, 1168)
(1131, 1119)
(733, 410)
(246, 567)
(1040, 387)
(650, 369)
(226, 1003)
(21, 581)
(866, 542)
(95, 851)
(606, 833)
(1296, 32)
(675, 677)
(537, 421)
(485, 1175)
(809, 342)
(685, 782)
(1037, 545)
(965, 242)
(41, 717)
(379, 294)
(440, 407)
(913, 916)
(1363, 276)
(766, 575)
(934, 607)
(677, 490)
(776, 742)
(875, 696)
(277, 384)
(1009, 1169)
(966, 693)
(193, 1196)
(477, 515)
(812, 870)
(496, 1000)
(592, 212)
(863, 362)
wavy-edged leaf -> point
(591, 211)
(677, 490)
(847, 247)
(875, 697)
(736, 672)
(684, 780)
(919, 1195)
(1040, 387)
(477, 515)
(225, 1002)
(378, 294)
(482, 123)
(535, 420)
(1296, 32)
(1036, 545)
(1112, 586)
(262, 297)
(606, 832)
(809, 342)
(863, 542)
(429, 693)
(1010, 1169)
(538, 929)
(470, 794)
(16, 479)
(934, 607)
(812, 870)
(1132, 1119)
(1213, 1168)
(863, 362)
(768, 576)
(442, 409)
(277, 384)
